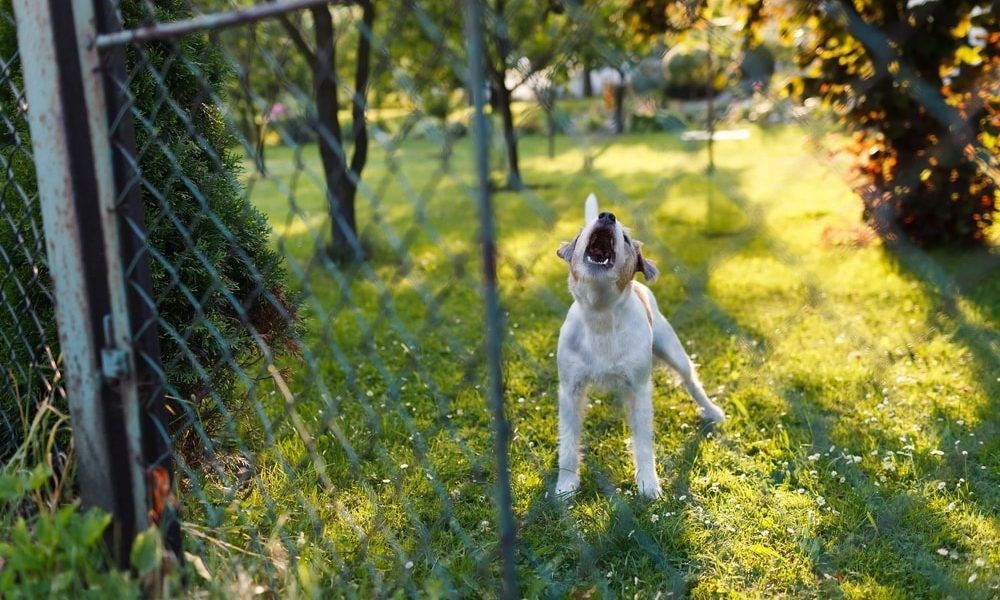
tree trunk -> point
(253, 130)
(448, 145)
(588, 85)
(502, 102)
(341, 178)
(619, 94)
(551, 122)
(711, 106)
(340, 202)
(359, 125)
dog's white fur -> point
(608, 340)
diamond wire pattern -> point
(29, 376)
(314, 442)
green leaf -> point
(39, 475)
(11, 487)
(147, 551)
(93, 524)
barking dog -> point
(610, 336)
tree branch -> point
(300, 43)
(362, 71)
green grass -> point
(861, 457)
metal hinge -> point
(114, 360)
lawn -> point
(861, 457)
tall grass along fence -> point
(252, 251)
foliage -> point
(685, 68)
(48, 548)
(267, 71)
(216, 256)
(219, 283)
(53, 551)
(918, 88)
(756, 68)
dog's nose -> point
(606, 217)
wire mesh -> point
(30, 360)
(326, 388)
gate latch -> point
(114, 360)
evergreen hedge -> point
(219, 284)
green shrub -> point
(756, 69)
(58, 553)
(925, 128)
(685, 70)
(660, 120)
(219, 284)
(534, 121)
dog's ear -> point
(643, 264)
(565, 250)
(590, 209)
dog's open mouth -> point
(601, 248)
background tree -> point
(426, 58)
(523, 38)
(342, 174)
(917, 87)
(608, 42)
(266, 64)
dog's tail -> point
(590, 209)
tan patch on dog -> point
(627, 274)
(645, 302)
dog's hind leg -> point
(639, 401)
(570, 428)
(668, 348)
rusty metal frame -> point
(77, 193)
(219, 20)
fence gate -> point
(126, 253)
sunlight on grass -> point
(863, 399)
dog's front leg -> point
(570, 427)
(639, 400)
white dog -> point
(610, 336)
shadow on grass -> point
(621, 539)
(898, 526)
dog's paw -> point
(649, 485)
(713, 413)
(567, 485)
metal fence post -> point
(135, 261)
(474, 25)
(66, 115)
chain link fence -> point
(328, 252)
(31, 384)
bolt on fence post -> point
(474, 25)
(69, 136)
